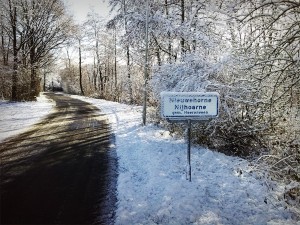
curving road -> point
(62, 171)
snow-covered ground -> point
(17, 117)
(152, 185)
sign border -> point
(189, 94)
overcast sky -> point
(80, 8)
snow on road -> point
(152, 185)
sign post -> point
(189, 106)
(189, 173)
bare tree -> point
(37, 29)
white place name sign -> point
(189, 105)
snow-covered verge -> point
(152, 185)
(17, 117)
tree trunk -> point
(128, 60)
(4, 51)
(115, 61)
(101, 80)
(33, 76)
(129, 75)
(182, 41)
(80, 70)
(169, 34)
(69, 60)
(44, 86)
(98, 62)
(95, 74)
(13, 17)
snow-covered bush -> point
(236, 130)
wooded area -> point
(248, 51)
(31, 31)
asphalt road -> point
(62, 171)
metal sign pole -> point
(189, 171)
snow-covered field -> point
(152, 185)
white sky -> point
(80, 8)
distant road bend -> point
(62, 171)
